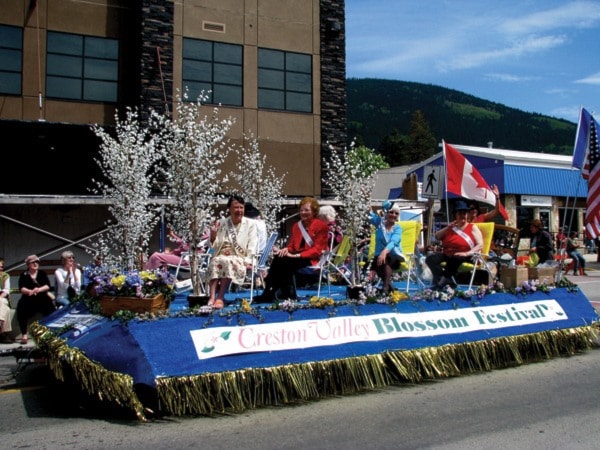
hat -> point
(31, 258)
(460, 206)
(251, 211)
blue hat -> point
(460, 205)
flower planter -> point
(353, 292)
(197, 300)
(110, 305)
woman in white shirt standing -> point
(68, 275)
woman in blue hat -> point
(460, 240)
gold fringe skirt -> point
(237, 391)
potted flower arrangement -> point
(133, 290)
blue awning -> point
(544, 181)
(395, 193)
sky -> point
(539, 56)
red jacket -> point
(318, 232)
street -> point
(552, 404)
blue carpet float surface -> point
(239, 358)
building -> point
(277, 68)
(532, 185)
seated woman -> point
(168, 257)
(328, 215)
(307, 243)
(5, 319)
(460, 240)
(234, 241)
(68, 275)
(34, 286)
(388, 253)
(573, 245)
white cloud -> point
(528, 45)
(509, 78)
(566, 112)
(579, 14)
(591, 79)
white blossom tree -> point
(196, 150)
(259, 184)
(350, 174)
(128, 160)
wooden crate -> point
(110, 305)
(511, 277)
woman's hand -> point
(382, 256)
(214, 228)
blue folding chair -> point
(260, 263)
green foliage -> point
(365, 161)
(380, 113)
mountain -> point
(377, 107)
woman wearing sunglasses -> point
(34, 285)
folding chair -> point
(411, 230)
(333, 261)
(480, 258)
(203, 261)
(260, 263)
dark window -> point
(284, 80)
(11, 59)
(215, 68)
(82, 67)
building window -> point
(82, 67)
(284, 80)
(11, 59)
(215, 68)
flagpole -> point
(445, 181)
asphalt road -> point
(551, 405)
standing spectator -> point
(589, 242)
(5, 319)
(541, 242)
(561, 240)
(573, 251)
(34, 286)
(67, 278)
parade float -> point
(134, 341)
(199, 361)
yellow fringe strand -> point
(237, 391)
(94, 379)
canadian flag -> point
(465, 180)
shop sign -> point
(536, 200)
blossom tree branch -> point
(350, 174)
(196, 149)
(259, 183)
(128, 161)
